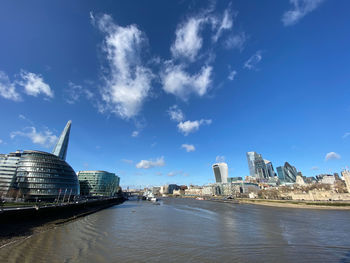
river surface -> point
(187, 230)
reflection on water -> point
(192, 231)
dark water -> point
(183, 230)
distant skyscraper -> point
(287, 173)
(258, 167)
(269, 167)
(220, 172)
(61, 147)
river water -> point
(187, 230)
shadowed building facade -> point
(220, 172)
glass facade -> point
(98, 183)
(287, 173)
(42, 175)
(8, 167)
(39, 175)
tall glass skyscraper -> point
(220, 172)
(258, 167)
(39, 175)
(287, 173)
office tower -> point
(220, 172)
(258, 167)
(61, 147)
(287, 173)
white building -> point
(220, 172)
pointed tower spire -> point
(61, 147)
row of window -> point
(46, 186)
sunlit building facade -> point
(287, 173)
(36, 175)
(220, 172)
(98, 183)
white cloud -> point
(129, 82)
(45, 138)
(220, 159)
(34, 84)
(176, 114)
(146, 164)
(135, 134)
(347, 134)
(188, 127)
(332, 155)
(226, 24)
(7, 88)
(75, 92)
(188, 147)
(314, 168)
(1, 141)
(232, 75)
(253, 60)
(188, 40)
(236, 41)
(300, 8)
(178, 82)
(173, 173)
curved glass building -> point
(36, 175)
(45, 176)
(98, 183)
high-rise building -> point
(270, 170)
(39, 175)
(98, 183)
(258, 167)
(61, 147)
(287, 173)
(220, 172)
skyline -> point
(213, 80)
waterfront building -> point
(220, 172)
(326, 179)
(37, 175)
(8, 167)
(300, 180)
(98, 183)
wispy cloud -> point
(188, 127)
(44, 138)
(232, 75)
(300, 8)
(188, 39)
(253, 60)
(1, 141)
(225, 24)
(176, 114)
(146, 164)
(180, 83)
(34, 84)
(314, 168)
(220, 158)
(75, 92)
(236, 41)
(347, 134)
(332, 156)
(8, 89)
(135, 134)
(129, 82)
(188, 147)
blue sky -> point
(157, 91)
